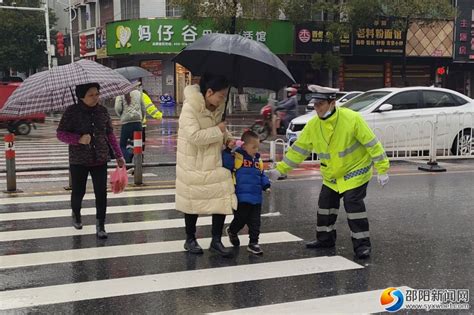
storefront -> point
(152, 44)
(372, 57)
(460, 75)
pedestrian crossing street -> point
(47, 266)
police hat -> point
(322, 93)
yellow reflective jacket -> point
(346, 146)
(150, 109)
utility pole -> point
(46, 18)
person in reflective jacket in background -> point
(348, 149)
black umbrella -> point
(244, 62)
(134, 73)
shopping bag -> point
(118, 179)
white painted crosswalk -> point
(146, 233)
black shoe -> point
(233, 238)
(319, 244)
(363, 252)
(254, 249)
(218, 247)
(76, 221)
(192, 246)
(100, 230)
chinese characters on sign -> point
(464, 44)
(188, 34)
(312, 37)
(379, 39)
(159, 35)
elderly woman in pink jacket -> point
(203, 186)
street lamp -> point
(46, 19)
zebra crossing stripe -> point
(90, 196)
(33, 180)
(45, 214)
(43, 173)
(36, 162)
(83, 254)
(111, 228)
(40, 158)
(81, 291)
(356, 303)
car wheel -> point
(261, 131)
(463, 143)
(22, 128)
(11, 128)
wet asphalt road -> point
(421, 230)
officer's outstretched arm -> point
(298, 152)
(366, 137)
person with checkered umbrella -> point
(347, 149)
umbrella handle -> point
(73, 96)
(225, 106)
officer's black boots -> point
(319, 244)
(363, 252)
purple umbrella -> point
(52, 90)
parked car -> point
(19, 125)
(341, 98)
(403, 118)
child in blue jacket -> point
(247, 169)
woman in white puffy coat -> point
(203, 186)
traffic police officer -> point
(347, 149)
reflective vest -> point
(346, 146)
(150, 109)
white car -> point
(403, 118)
(341, 98)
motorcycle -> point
(270, 117)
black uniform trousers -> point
(79, 174)
(329, 203)
(247, 214)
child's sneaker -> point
(254, 249)
(233, 238)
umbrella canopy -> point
(244, 62)
(133, 73)
(52, 90)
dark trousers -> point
(79, 175)
(217, 225)
(127, 134)
(247, 214)
(329, 202)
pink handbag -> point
(118, 179)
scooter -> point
(264, 127)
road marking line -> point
(45, 214)
(110, 228)
(171, 281)
(82, 254)
(51, 173)
(34, 180)
(356, 303)
(14, 200)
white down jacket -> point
(203, 186)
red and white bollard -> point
(10, 162)
(138, 158)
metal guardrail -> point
(442, 136)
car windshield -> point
(364, 100)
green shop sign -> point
(172, 35)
